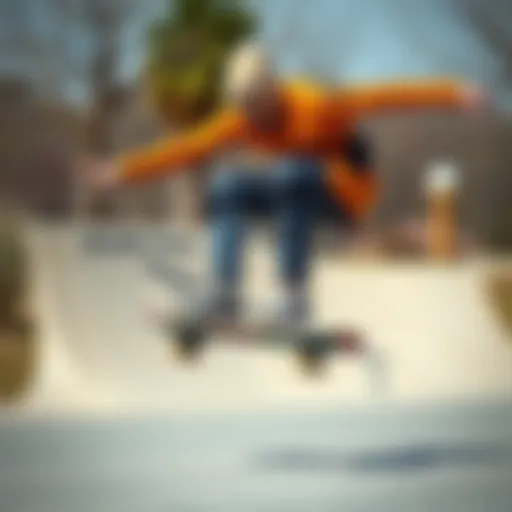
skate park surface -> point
(428, 416)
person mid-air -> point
(322, 168)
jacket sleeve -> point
(169, 155)
(372, 100)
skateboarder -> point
(322, 167)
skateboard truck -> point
(350, 342)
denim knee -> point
(297, 181)
(225, 193)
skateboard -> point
(189, 337)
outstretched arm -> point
(169, 155)
(372, 100)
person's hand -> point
(475, 99)
(103, 176)
(97, 176)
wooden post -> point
(442, 184)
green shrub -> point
(13, 272)
(500, 292)
(16, 328)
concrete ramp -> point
(99, 351)
(434, 324)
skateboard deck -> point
(311, 346)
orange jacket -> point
(317, 121)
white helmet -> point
(249, 71)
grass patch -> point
(17, 343)
(17, 360)
(500, 291)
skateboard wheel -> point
(311, 353)
(189, 340)
(311, 366)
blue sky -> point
(350, 40)
(371, 40)
(389, 38)
(367, 40)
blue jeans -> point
(294, 194)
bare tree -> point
(105, 22)
(492, 22)
(72, 46)
(72, 50)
